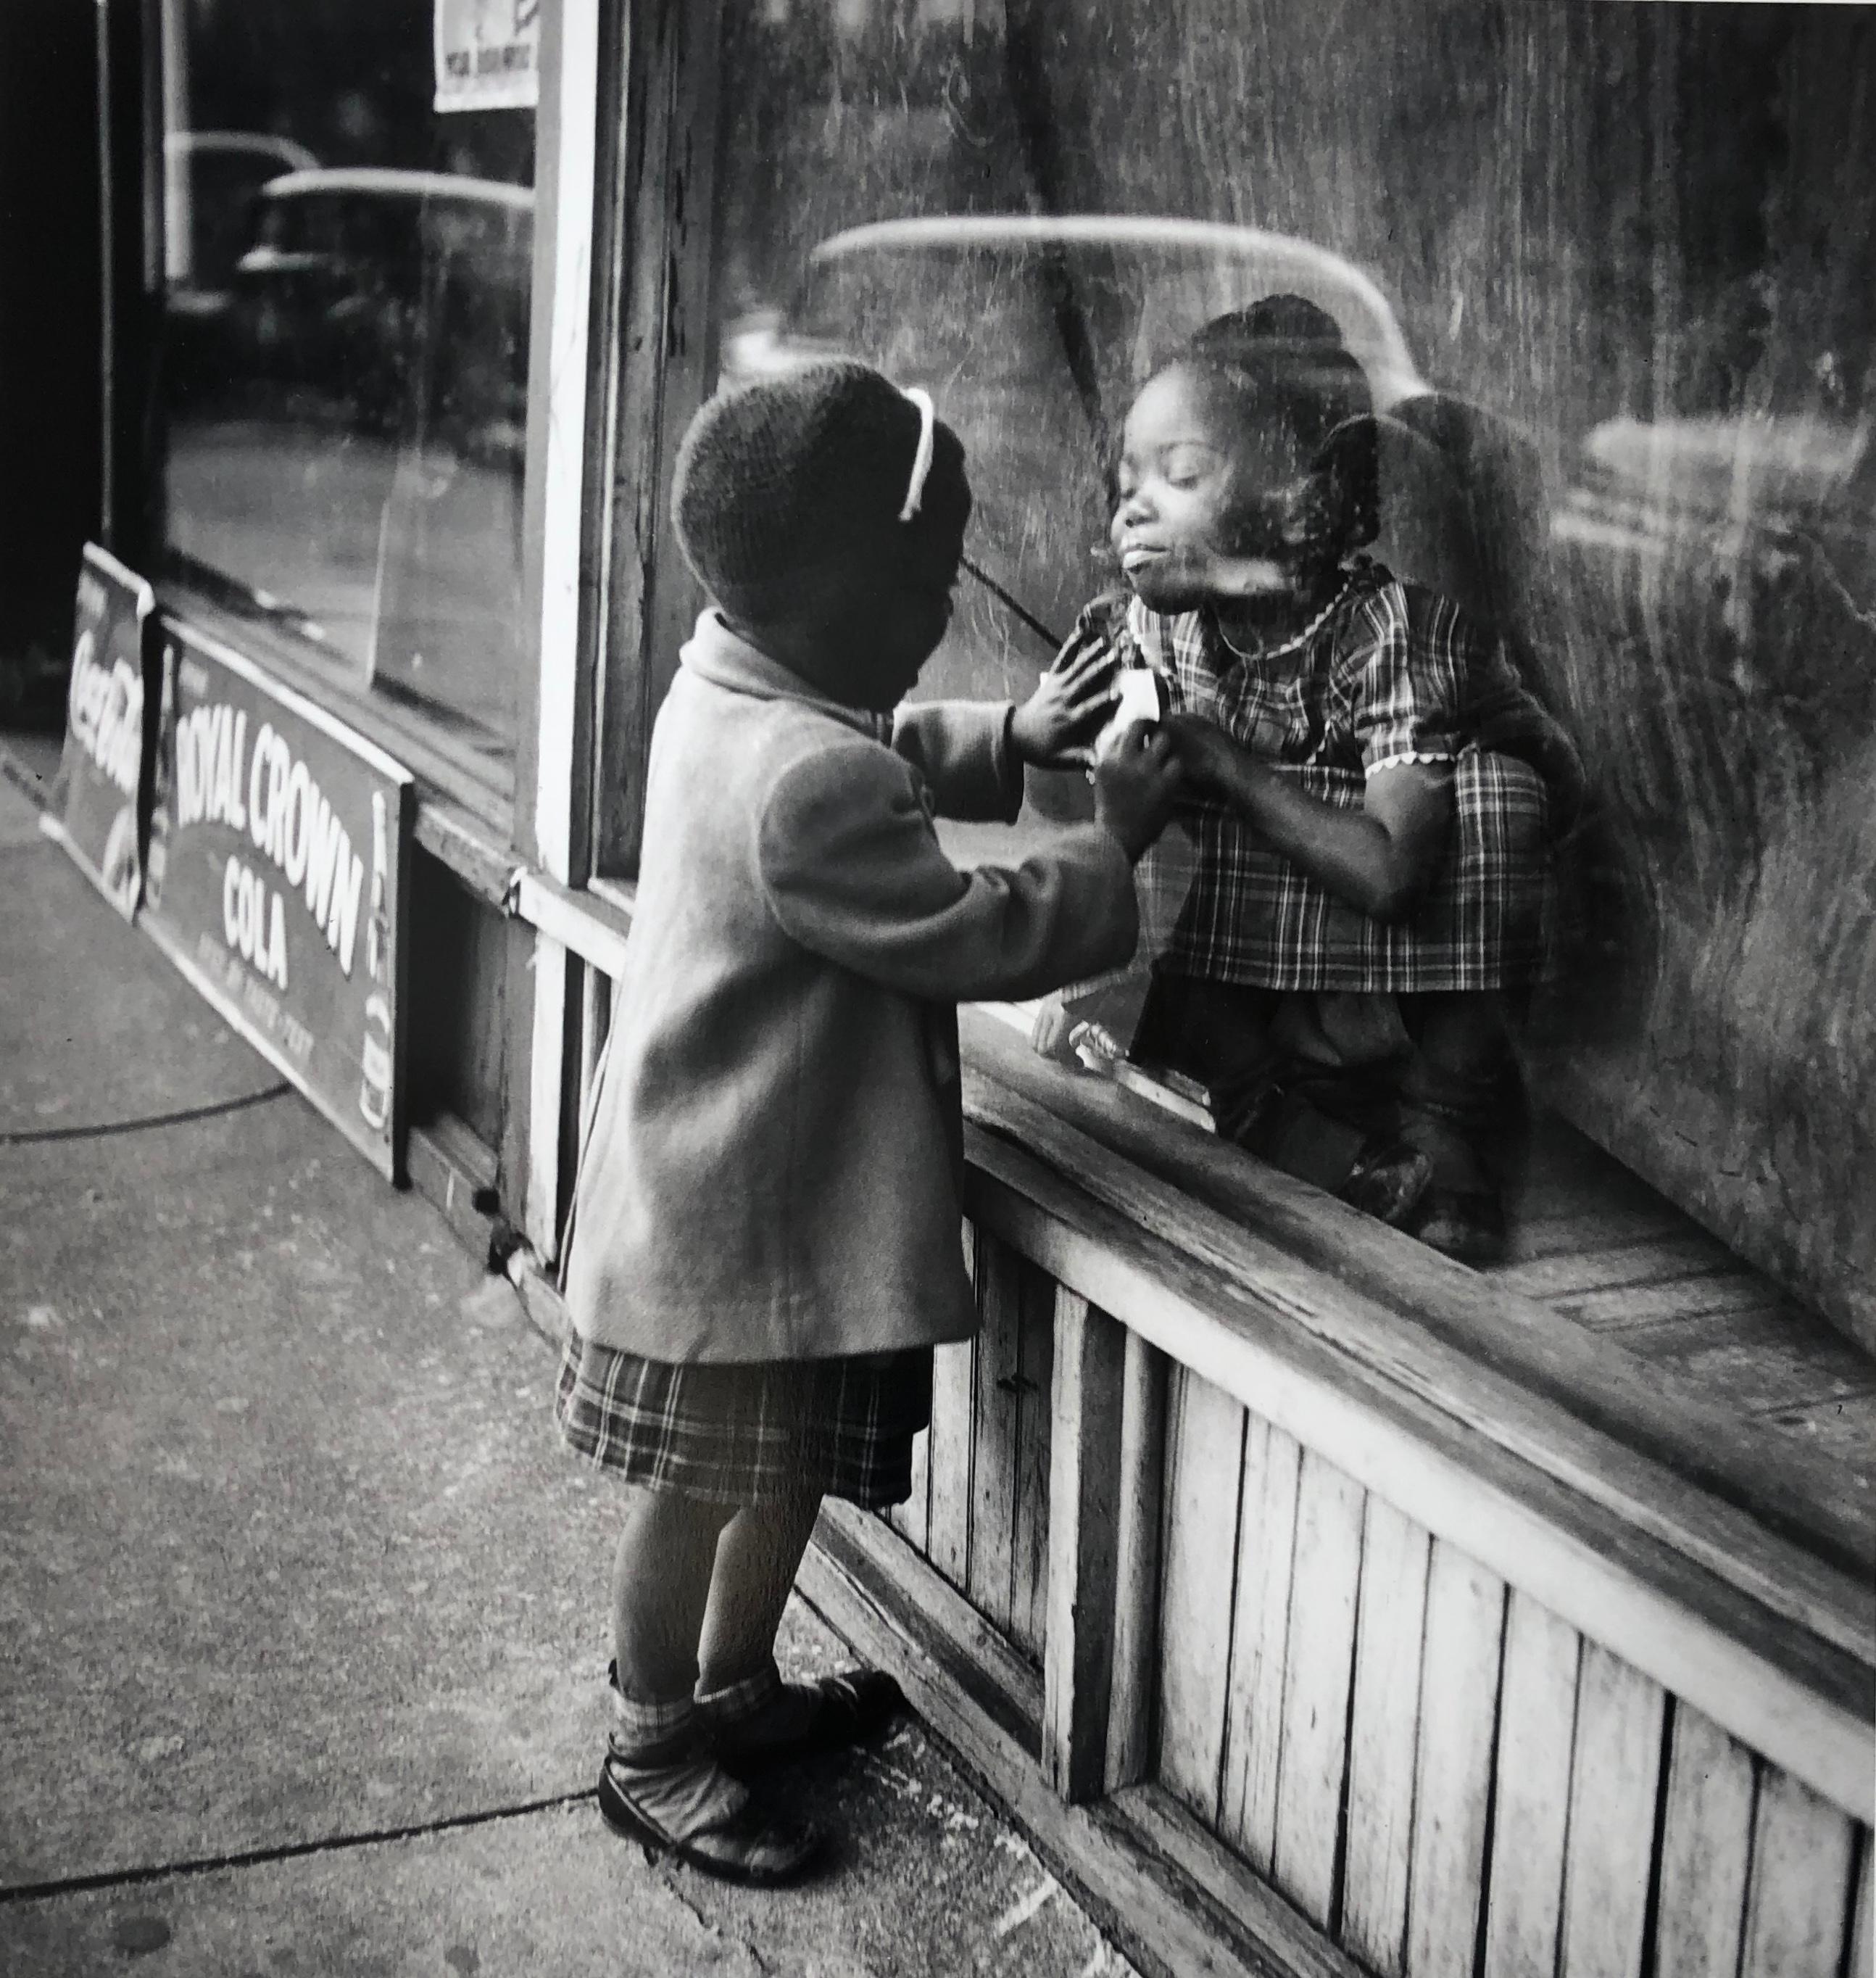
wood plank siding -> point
(1367, 1717)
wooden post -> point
(1084, 1534)
(1137, 1572)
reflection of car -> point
(209, 179)
(400, 295)
(1754, 537)
(943, 298)
(1033, 335)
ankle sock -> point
(743, 1701)
(648, 1730)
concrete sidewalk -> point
(302, 1597)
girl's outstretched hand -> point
(1055, 727)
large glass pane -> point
(344, 372)
(1606, 271)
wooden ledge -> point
(1770, 1642)
(1371, 1292)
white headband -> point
(922, 460)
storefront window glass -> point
(1607, 273)
(343, 374)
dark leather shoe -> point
(835, 1712)
(746, 1845)
(1387, 1180)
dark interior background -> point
(49, 341)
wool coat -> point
(772, 1167)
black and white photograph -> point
(938, 988)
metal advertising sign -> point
(95, 813)
(488, 54)
(279, 847)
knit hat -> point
(780, 481)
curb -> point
(34, 789)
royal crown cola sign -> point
(278, 849)
(97, 808)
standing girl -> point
(765, 1245)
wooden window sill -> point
(1473, 1344)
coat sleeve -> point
(852, 869)
(962, 749)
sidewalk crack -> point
(255, 1857)
(37, 1136)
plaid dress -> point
(1396, 674)
(752, 1432)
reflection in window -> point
(1607, 275)
(344, 370)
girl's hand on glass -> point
(1055, 727)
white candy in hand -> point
(1139, 699)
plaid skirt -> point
(750, 1433)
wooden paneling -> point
(989, 1560)
(1319, 1664)
(1132, 1710)
(1614, 1784)
(948, 1444)
(1204, 1456)
(662, 155)
(1367, 1741)
(1006, 1557)
(1763, 1363)
(1459, 1682)
(1384, 1738)
(1707, 1837)
(1625, 1309)
(1035, 1360)
(1086, 1485)
(458, 1030)
(1795, 1684)
(912, 1519)
(1260, 1641)
(1798, 1906)
(1537, 1729)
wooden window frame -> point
(655, 361)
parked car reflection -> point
(1034, 334)
(351, 466)
(395, 299)
(211, 180)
